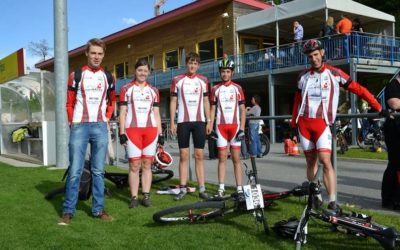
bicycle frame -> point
(360, 225)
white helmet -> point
(163, 158)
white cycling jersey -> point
(190, 90)
(140, 103)
(227, 97)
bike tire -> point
(193, 212)
(260, 217)
(160, 175)
(265, 144)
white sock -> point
(221, 186)
(239, 189)
(332, 197)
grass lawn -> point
(363, 153)
(30, 222)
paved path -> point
(359, 181)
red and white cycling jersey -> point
(190, 90)
(227, 97)
(140, 102)
(88, 102)
(318, 93)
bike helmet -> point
(226, 64)
(312, 45)
(163, 158)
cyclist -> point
(140, 130)
(228, 102)
(90, 104)
(190, 92)
(314, 110)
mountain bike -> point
(255, 201)
(374, 136)
(351, 223)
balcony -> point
(358, 46)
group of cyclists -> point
(91, 103)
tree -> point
(40, 48)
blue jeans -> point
(96, 134)
(255, 139)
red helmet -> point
(311, 45)
(163, 158)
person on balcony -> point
(314, 110)
(344, 27)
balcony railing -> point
(337, 47)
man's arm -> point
(172, 111)
(362, 92)
(242, 116)
(206, 104)
(295, 110)
(111, 103)
(71, 98)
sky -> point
(25, 21)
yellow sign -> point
(12, 66)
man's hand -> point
(213, 136)
(123, 139)
(239, 135)
(209, 128)
(173, 128)
(160, 139)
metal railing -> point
(337, 47)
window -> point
(207, 50)
(220, 47)
(251, 44)
(171, 59)
(211, 49)
(120, 70)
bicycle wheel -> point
(160, 175)
(261, 218)
(199, 211)
(265, 144)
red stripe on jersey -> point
(99, 113)
(222, 117)
(134, 118)
(198, 116)
(185, 110)
(85, 111)
(329, 111)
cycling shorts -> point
(198, 130)
(226, 133)
(315, 135)
(142, 143)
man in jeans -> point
(254, 126)
(90, 103)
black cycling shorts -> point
(198, 130)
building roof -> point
(176, 14)
(311, 14)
